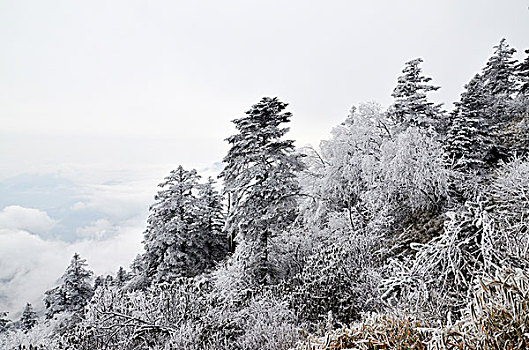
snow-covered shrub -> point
(496, 317)
(43, 336)
(341, 277)
(508, 214)
(125, 320)
(478, 240)
(268, 325)
(437, 279)
(412, 175)
(264, 323)
(260, 321)
(378, 331)
(500, 311)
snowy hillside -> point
(407, 229)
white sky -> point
(159, 81)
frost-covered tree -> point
(98, 282)
(211, 219)
(499, 76)
(478, 239)
(74, 292)
(499, 72)
(260, 181)
(382, 178)
(480, 132)
(54, 301)
(340, 176)
(76, 283)
(182, 236)
(121, 277)
(28, 319)
(372, 191)
(3, 320)
(500, 87)
(468, 136)
(522, 70)
(171, 220)
(341, 277)
(411, 106)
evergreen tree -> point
(76, 282)
(98, 282)
(260, 181)
(468, 136)
(498, 73)
(139, 279)
(171, 219)
(74, 292)
(3, 320)
(411, 106)
(138, 265)
(500, 85)
(121, 277)
(479, 134)
(29, 318)
(522, 70)
(55, 301)
(177, 241)
(211, 219)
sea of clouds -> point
(46, 218)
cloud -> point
(78, 206)
(98, 230)
(30, 265)
(28, 219)
(98, 213)
(119, 201)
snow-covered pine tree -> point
(3, 320)
(28, 319)
(137, 266)
(260, 181)
(522, 70)
(74, 292)
(211, 219)
(121, 277)
(177, 242)
(468, 136)
(54, 301)
(171, 220)
(76, 283)
(500, 86)
(499, 72)
(411, 106)
(98, 282)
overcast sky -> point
(100, 99)
(129, 72)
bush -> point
(496, 318)
(341, 278)
(500, 311)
